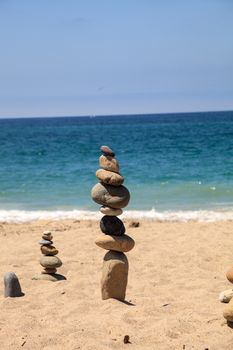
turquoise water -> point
(170, 162)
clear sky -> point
(90, 57)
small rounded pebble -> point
(112, 225)
(48, 250)
(126, 339)
(45, 242)
(47, 237)
(107, 151)
(111, 211)
(229, 275)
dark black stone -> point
(112, 225)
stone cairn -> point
(227, 297)
(113, 197)
(49, 260)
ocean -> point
(176, 166)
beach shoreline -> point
(177, 271)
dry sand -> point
(176, 273)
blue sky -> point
(118, 56)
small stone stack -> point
(227, 297)
(49, 260)
(113, 196)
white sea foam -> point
(20, 216)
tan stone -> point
(114, 275)
(109, 163)
(50, 261)
(229, 275)
(109, 177)
(122, 243)
(110, 196)
(48, 250)
(228, 311)
(47, 235)
(111, 211)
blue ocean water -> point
(170, 162)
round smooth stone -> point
(49, 270)
(228, 311)
(110, 196)
(109, 177)
(117, 243)
(229, 275)
(109, 163)
(107, 151)
(50, 261)
(48, 250)
(112, 225)
(45, 242)
(111, 211)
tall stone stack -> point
(49, 261)
(112, 196)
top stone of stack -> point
(107, 151)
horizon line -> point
(113, 115)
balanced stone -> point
(112, 196)
(47, 235)
(229, 274)
(118, 243)
(228, 311)
(12, 285)
(114, 276)
(109, 177)
(45, 242)
(107, 151)
(49, 270)
(48, 250)
(50, 261)
(111, 225)
(109, 163)
(110, 211)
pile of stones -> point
(49, 261)
(112, 196)
(227, 297)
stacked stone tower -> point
(49, 261)
(113, 196)
(227, 297)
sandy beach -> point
(176, 273)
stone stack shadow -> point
(112, 196)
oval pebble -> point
(50, 261)
(45, 242)
(107, 151)
(110, 196)
(117, 243)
